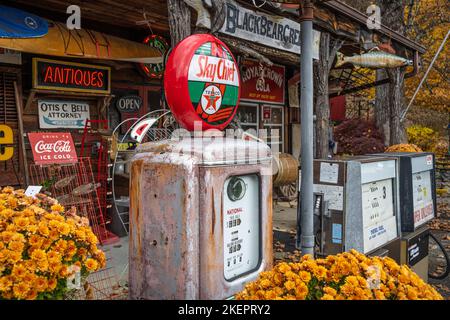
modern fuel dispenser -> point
(200, 204)
(356, 205)
(200, 221)
(417, 207)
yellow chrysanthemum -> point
(32, 294)
(41, 284)
(14, 256)
(5, 283)
(57, 207)
(304, 276)
(21, 222)
(18, 271)
(52, 283)
(38, 255)
(20, 290)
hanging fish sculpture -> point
(373, 60)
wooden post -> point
(179, 20)
(21, 132)
(327, 51)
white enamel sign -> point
(62, 114)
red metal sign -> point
(267, 113)
(202, 83)
(52, 147)
(262, 83)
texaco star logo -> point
(211, 99)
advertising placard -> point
(52, 147)
(70, 76)
(261, 83)
(62, 114)
(422, 198)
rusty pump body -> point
(200, 218)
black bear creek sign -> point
(272, 31)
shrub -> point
(358, 137)
(42, 247)
(346, 276)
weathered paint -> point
(176, 214)
(163, 229)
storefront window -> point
(247, 116)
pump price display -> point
(378, 214)
(241, 225)
(422, 198)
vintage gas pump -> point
(356, 205)
(417, 207)
(200, 206)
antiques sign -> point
(262, 83)
(62, 114)
(69, 76)
(272, 31)
(52, 147)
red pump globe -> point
(202, 83)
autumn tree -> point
(430, 21)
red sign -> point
(202, 83)
(262, 83)
(337, 108)
(267, 113)
(52, 147)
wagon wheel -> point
(289, 191)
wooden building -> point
(270, 97)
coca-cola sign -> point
(52, 147)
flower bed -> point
(42, 247)
(346, 276)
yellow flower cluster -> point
(346, 276)
(40, 246)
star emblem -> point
(212, 98)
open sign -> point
(129, 103)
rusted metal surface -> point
(163, 228)
(176, 215)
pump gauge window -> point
(241, 225)
(236, 189)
